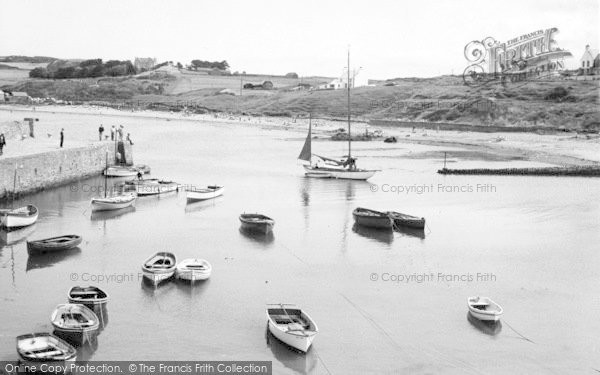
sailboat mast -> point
(349, 132)
(105, 176)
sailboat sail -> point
(306, 152)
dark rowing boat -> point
(87, 295)
(54, 244)
(404, 220)
(257, 222)
(372, 219)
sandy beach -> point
(565, 149)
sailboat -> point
(328, 167)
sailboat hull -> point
(343, 174)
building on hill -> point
(16, 97)
(142, 64)
(590, 61)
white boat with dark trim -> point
(154, 187)
(120, 171)
(18, 217)
(74, 318)
(193, 269)
(483, 308)
(159, 267)
(89, 296)
(44, 348)
(210, 192)
(116, 202)
(291, 325)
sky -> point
(387, 38)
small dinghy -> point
(193, 269)
(159, 267)
(372, 219)
(483, 308)
(403, 220)
(210, 192)
(74, 318)
(18, 217)
(257, 222)
(116, 202)
(89, 296)
(38, 348)
(53, 244)
(291, 325)
(155, 187)
(120, 171)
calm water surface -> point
(537, 237)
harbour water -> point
(384, 302)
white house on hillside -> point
(589, 60)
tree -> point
(291, 75)
(179, 65)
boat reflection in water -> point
(380, 235)
(13, 237)
(488, 327)
(109, 215)
(259, 237)
(411, 232)
(295, 360)
(38, 261)
(197, 206)
(87, 349)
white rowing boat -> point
(483, 308)
(74, 318)
(159, 267)
(210, 192)
(18, 217)
(292, 326)
(44, 348)
(120, 171)
(193, 269)
(154, 187)
(116, 202)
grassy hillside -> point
(560, 103)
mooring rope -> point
(515, 331)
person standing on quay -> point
(62, 136)
(120, 131)
(100, 131)
(112, 133)
(2, 143)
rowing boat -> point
(210, 192)
(291, 325)
(74, 318)
(89, 296)
(404, 220)
(18, 217)
(159, 267)
(154, 187)
(54, 244)
(483, 308)
(120, 171)
(113, 203)
(193, 269)
(257, 222)
(372, 219)
(44, 348)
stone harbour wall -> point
(40, 171)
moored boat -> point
(483, 308)
(52, 244)
(159, 267)
(74, 318)
(116, 202)
(18, 217)
(257, 222)
(291, 325)
(193, 269)
(120, 171)
(40, 348)
(154, 187)
(372, 219)
(89, 296)
(404, 220)
(210, 192)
